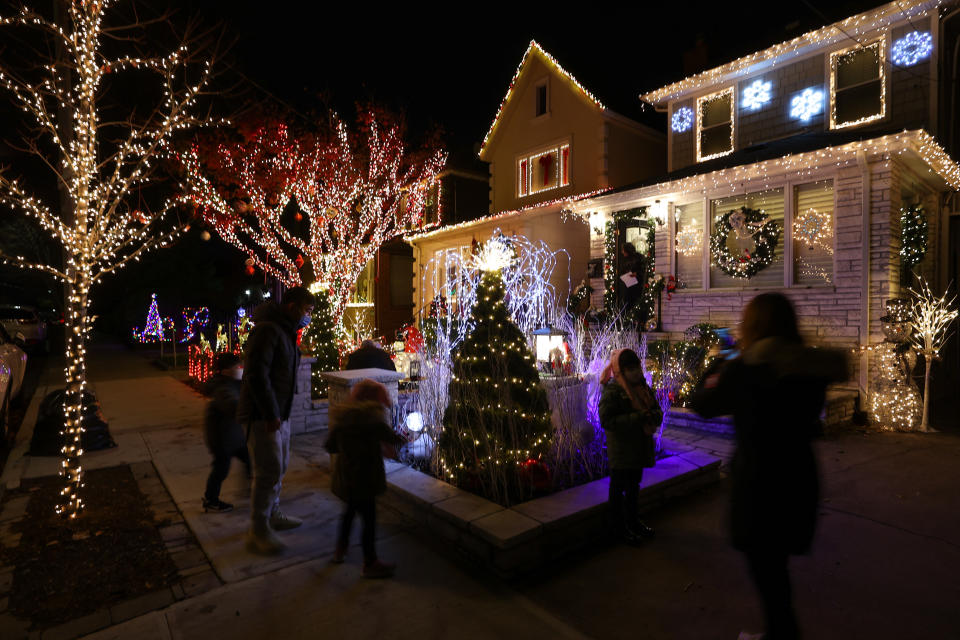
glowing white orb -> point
(415, 421)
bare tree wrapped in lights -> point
(99, 157)
(932, 316)
(356, 190)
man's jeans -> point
(270, 454)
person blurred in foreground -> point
(358, 431)
(775, 390)
(222, 432)
(630, 415)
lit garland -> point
(881, 20)
(757, 94)
(357, 190)
(682, 120)
(744, 223)
(932, 316)
(194, 320)
(99, 232)
(644, 307)
(534, 47)
(913, 236)
(911, 48)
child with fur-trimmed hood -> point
(358, 430)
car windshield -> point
(16, 314)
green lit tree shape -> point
(498, 419)
(320, 341)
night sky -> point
(451, 66)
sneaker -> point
(264, 544)
(218, 506)
(281, 522)
(378, 569)
(339, 555)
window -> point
(813, 233)
(715, 125)
(689, 245)
(857, 86)
(543, 171)
(769, 202)
(541, 99)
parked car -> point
(24, 324)
(13, 364)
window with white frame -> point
(813, 233)
(688, 245)
(715, 125)
(544, 170)
(857, 85)
(769, 202)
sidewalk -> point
(884, 564)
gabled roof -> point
(535, 49)
(879, 19)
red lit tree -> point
(327, 198)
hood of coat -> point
(353, 412)
(272, 312)
(788, 358)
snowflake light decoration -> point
(682, 119)
(689, 242)
(911, 48)
(757, 94)
(807, 104)
(813, 228)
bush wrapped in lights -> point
(319, 340)
(497, 425)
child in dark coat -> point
(222, 432)
(358, 429)
(630, 415)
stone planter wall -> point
(511, 541)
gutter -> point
(865, 271)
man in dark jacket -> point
(369, 356)
(269, 381)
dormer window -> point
(857, 86)
(715, 125)
(541, 91)
(544, 170)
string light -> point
(357, 190)
(705, 102)
(913, 235)
(932, 317)
(690, 241)
(838, 58)
(194, 320)
(100, 233)
(881, 19)
(535, 48)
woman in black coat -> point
(775, 390)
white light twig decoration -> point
(932, 316)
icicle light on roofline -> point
(801, 165)
(504, 214)
(534, 46)
(862, 25)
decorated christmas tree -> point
(153, 331)
(497, 427)
(319, 340)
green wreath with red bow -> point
(746, 223)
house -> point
(823, 139)
(551, 142)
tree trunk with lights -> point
(95, 171)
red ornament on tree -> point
(250, 269)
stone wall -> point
(306, 416)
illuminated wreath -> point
(745, 223)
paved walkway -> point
(884, 565)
